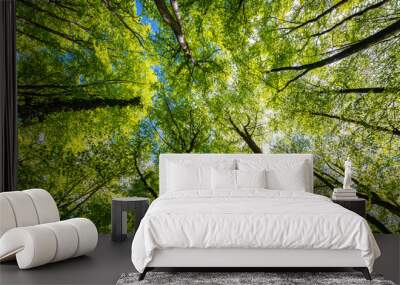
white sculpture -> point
(347, 174)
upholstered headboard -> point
(271, 160)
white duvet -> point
(250, 219)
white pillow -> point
(251, 178)
(281, 175)
(223, 179)
(181, 177)
(293, 178)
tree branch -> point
(378, 224)
(62, 198)
(393, 131)
(315, 19)
(80, 42)
(246, 137)
(143, 179)
(45, 42)
(137, 35)
(51, 14)
(88, 196)
(172, 147)
(63, 6)
(365, 90)
(351, 49)
(323, 179)
(348, 18)
(193, 141)
(298, 76)
(175, 123)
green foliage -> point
(101, 95)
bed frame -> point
(251, 259)
(236, 259)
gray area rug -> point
(269, 278)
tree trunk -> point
(176, 25)
(39, 110)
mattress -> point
(250, 219)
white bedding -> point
(251, 218)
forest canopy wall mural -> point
(105, 86)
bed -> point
(247, 211)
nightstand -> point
(357, 205)
(119, 208)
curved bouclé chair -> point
(31, 231)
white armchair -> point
(31, 230)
